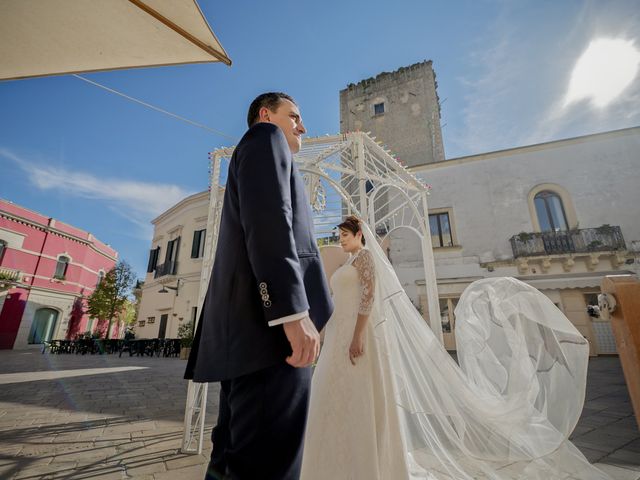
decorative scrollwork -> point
(319, 201)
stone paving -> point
(110, 421)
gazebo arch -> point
(344, 174)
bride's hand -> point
(357, 347)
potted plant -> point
(524, 237)
(7, 281)
(185, 334)
(605, 229)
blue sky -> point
(97, 161)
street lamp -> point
(176, 288)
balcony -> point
(601, 239)
(8, 278)
(167, 268)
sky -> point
(509, 73)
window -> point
(61, 267)
(197, 247)
(3, 247)
(440, 230)
(550, 212)
(378, 108)
(153, 259)
(100, 277)
(171, 258)
(194, 314)
(151, 319)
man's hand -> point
(304, 340)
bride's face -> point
(349, 242)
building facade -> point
(401, 109)
(559, 215)
(47, 269)
(170, 292)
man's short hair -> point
(271, 100)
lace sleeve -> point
(367, 275)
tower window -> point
(378, 108)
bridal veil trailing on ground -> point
(507, 410)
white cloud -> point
(138, 202)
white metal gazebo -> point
(345, 174)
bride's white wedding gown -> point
(353, 430)
(406, 410)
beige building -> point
(559, 215)
(170, 292)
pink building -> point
(56, 266)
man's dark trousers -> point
(268, 411)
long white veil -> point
(507, 410)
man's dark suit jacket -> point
(267, 264)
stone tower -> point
(401, 109)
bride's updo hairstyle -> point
(352, 224)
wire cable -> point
(157, 109)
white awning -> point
(561, 283)
(52, 37)
(571, 281)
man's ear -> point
(263, 114)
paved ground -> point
(68, 416)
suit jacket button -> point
(262, 285)
(265, 297)
(267, 303)
(263, 291)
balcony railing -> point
(8, 278)
(167, 268)
(604, 238)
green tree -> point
(110, 297)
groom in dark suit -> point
(266, 301)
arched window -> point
(100, 277)
(61, 267)
(550, 212)
(43, 326)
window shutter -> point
(151, 265)
(195, 246)
(203, 237)
(176, 249)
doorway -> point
(163, 325)
(43, 327)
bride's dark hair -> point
(352, 224)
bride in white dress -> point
(353, 430)
(389, 403)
